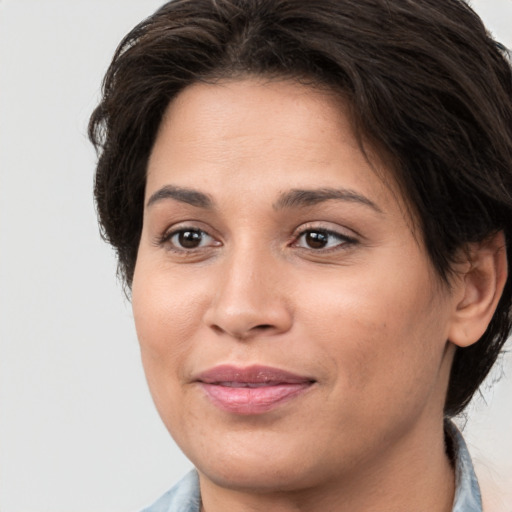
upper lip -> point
(255, 374)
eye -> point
(322, 239)
(187, 239)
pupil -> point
(316, 240)
(189, 239)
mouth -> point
(251, 390)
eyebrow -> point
(297, 198)
(184, 195)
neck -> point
(413, 473)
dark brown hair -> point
(424, 81)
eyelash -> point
(167, 239)
(344, 241)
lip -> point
(251, 390)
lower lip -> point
(253, 400)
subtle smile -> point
(251, 390)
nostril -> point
(263, 327)
(243, 333)
(217, 329)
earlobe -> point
(480, 287)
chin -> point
(260, 477)
(265, 461)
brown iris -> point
(190, 239)
(316, 239)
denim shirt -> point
(185, 495)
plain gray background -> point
(78, 430)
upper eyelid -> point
(192, 225)
(326, 227)
(341, 236)
(174, 231)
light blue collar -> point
(183, 497)
(467, 490)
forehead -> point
(255, 112)
(241, 130)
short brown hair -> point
(423, 79)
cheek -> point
(166, 306)
(167, 313)
(384, 331)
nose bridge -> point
(249, 298)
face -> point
(288, 318)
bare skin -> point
(270, 240)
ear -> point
(478, 289)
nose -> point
(251, 298)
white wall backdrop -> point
(78, 430)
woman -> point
(311, 204)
